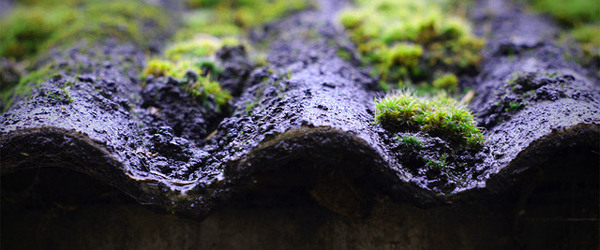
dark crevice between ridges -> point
(333, 168)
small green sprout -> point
(249, 107)
(514, 106)
(439, 116)
(410, 141)
(68, 97)
(515, 76)
(65, 96)
(437, 164)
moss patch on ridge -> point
(208, 26)
(34, 27)
(233, 17)
(412, 42)
(439, 115)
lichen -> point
(411, 43)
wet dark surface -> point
(300, 130)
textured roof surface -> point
(306, 122)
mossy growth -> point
(27, 28)
(203, 85)
(34, 26)
(570, 12)
(233, 17)
(588, 36)
(581, 20)
(440, 164)
(447, 82)
(439, 116)
(200, 46)
(159, 67)
(130, 21)
(198, 57)
(193, 48)
(88, 61)
(25, 85)
(412, 42)
(207, 27)
(410, 141)
(63, 95)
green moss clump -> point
(196, 56)
(448, 82)
(439, 116)
(203, 87)
(158, 68)
(410, 41)
(571, 12)
(30, 29)
(33, 27)
(581, 21)
(27, 28)
(192, 48)
(588, 35)
(233, 17)
(122, 20)
(207, 27)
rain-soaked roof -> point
(305, 119)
